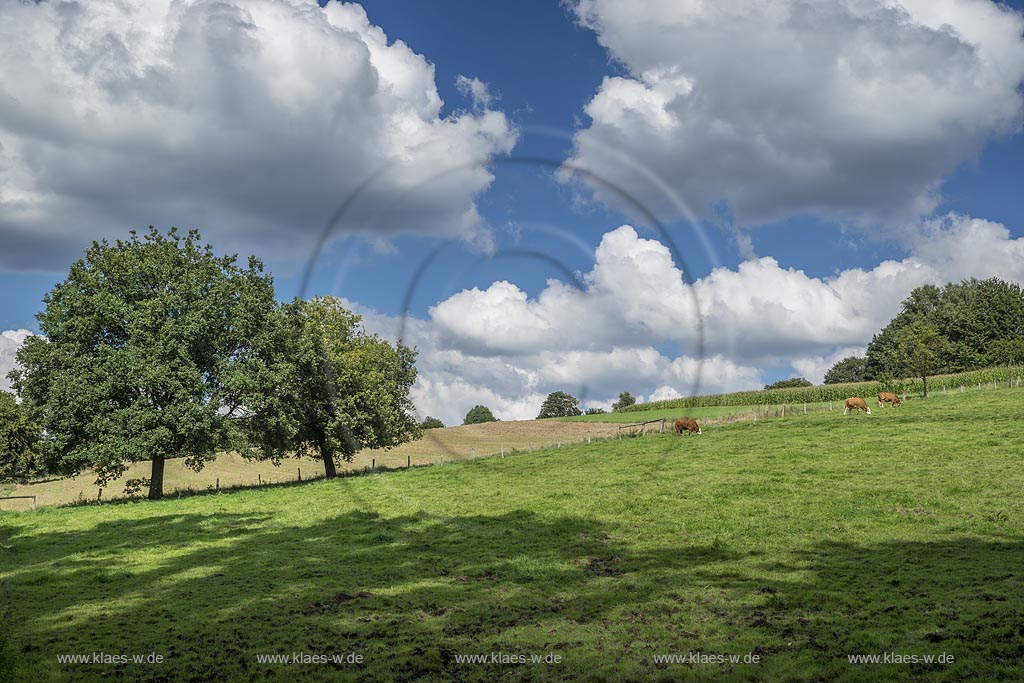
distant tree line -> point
(156, 348)
(965, 326)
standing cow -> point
(891, 399)
(857, 404)
(688, 425)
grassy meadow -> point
(232, 470)
(799, 540)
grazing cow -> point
(886, 397)
(857, 404)
(685, 423)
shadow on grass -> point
(412, 593)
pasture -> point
(800, 540)
(232, 470)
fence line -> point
(20, 497)
(758, 412)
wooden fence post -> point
(503, 450)
(259, 479)
(218, 483)
(662, 426)
(373, 463)
(830, 405)
(473, 454)
(783, 410)
(300, 474)
(99, 495)
(805, 409)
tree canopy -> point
(19, 439)
(789, 383)
(346, 389)
(920, 352)
(431, 423)
(478, 414)
(626, 400)
(982, 322)
(559, 404)
(153, 348)
(849, 369)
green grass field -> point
(800, 540)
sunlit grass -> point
(802, 539)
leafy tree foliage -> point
(921, 351)
(346, 389)
(789, 383)
(596, 411)
(849, 369)
(559, 404)
(19, 439)
(982, 321)
(478, 414)
(625, 400)
(431, 423)
(153, 348)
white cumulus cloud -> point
(10, 342)
(250, 119)
(846, 109)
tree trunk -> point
(328, 456)
(156, 478)
(924, 385)
(329, 466)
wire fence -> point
(439, 454)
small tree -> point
(790, 383)
(153, 348)
(559, 404)
(596, 411)
(431, 423)
(849, 369)
(920, 352)
(19, 439)
(625, 400)
(478, 414)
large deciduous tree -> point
(559, 404)
(347, 389)
(479, 414)
(154, 348)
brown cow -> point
(886, 397)
(685, 423)
(857, 404)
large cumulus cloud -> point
(846, 109)
(251, 119)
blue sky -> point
(806, 149)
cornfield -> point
(1000, 376)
